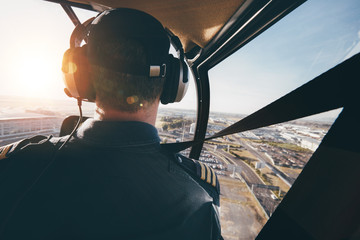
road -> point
(261, 157)
(250, 177)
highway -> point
(263, 158)
(250, 177)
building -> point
(309, 143)
(192, 128)
(15, 128)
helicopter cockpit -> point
(316, 52)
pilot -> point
(111, 179)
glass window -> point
(32, 100)
(258, 167)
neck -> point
(147, 115)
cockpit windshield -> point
(265, 162)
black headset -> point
(76, 66)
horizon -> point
(326, 117)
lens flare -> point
(132, 99)
(72, 68)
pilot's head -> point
(122, 46)
(126, 64)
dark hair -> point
(123, 91)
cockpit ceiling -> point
(194, 22)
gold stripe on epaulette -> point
(4, 150)
(208, 179)
(213, 178)
(202, 171)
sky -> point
(315, 37)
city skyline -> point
(15, 105)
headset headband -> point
(81, 33)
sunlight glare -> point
(36, 74)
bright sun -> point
(37, 75)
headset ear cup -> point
(175, 84)
(170, 86)
(183, 81)
(76, 74)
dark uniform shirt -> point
(113, 180)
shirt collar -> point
(117, 133)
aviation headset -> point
(129, 23)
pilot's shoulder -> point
(201, 171)
(35, 142)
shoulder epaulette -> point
(10, 149)
(201, 170)
(206, 173)
(4, 150)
